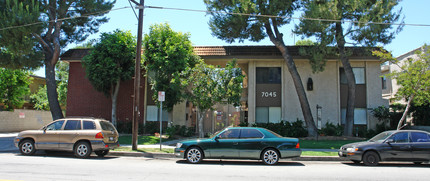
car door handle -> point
(235, 143)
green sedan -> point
(240, 143)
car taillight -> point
(298, 145)
(99, 135)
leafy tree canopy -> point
(167, 53)
(14, 85)
(111, 60)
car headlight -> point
(353, 149)
(178, 145)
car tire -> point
(27, 147)
(101, 153)
(371, 158)
(194, 155)
(270, 156)
(82, 149)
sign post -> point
(161, 95)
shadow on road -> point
(67, 155)
(240, 162)
(389, 164)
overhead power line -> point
(287, 17)
(221, 12)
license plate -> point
(110, 138)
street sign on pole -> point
(161, 95)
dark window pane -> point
(419, 137)
(107, 126)
(230, 134)
(250, 133)
(89, 125)
(55, 125)
(73, 125)
(400, 137)
(268, 75)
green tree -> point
(359, 22)
(40, 98)
(414, 78)
(14, 85)
(305, 42)
(35, 31)
(110, 62)
(230, 27)
(167, 53)
(208, 85)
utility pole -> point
(137, 74)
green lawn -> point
(324, 144)
(142, 140)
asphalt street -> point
(61, 166)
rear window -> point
(107, 126)
(88, 125)
(73, 125)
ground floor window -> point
(268, 114)
(360, 116)
(152, 113)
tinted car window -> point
(400, 137)
(420, 137)
(250, 133)
(107, 126)
(73, 125)
(55, 125)
(229, 134)
(89, 125)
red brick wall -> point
(84, 100)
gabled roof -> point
(234, 52)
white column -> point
(251, 92)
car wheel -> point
(270, 156)
(194, 155)
(26, 147)
(82, 149)
(102, 153)
(356, 161)
(371, 158)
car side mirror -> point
(389, 141)
(216, 138)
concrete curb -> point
(171, 155)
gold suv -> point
(78, 134)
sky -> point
(196, 23)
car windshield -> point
(276, 134)
(381, 136)
(216, 133)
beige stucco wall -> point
(10, 121)
(374, 91)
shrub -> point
(183, 131)
(285, 128)
(332, 130)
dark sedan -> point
(396, 145)
(240, 143)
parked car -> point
(396, 145)
(78, 134)
(240, 143)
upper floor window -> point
(268, 75)
(359, 74)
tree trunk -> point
(114, 97)
(51, 86)
(349, 122)
(400, 125)
(201, 115)
(300, 90)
